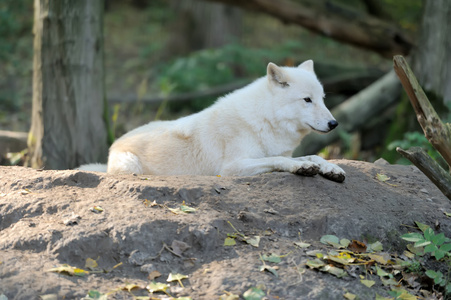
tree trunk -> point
(68, 90)
(432, 58)
(202, 25)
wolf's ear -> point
(276, 75)
(307, 65)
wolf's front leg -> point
(329, 170)
(254, 166)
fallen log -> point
(11, 141)
(337, 22)
(355, 113)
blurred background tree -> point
(176, 57)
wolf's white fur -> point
(250, 131)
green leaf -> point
(422, 243)
(302, 245)
(331, 240)
(422, 226)
(345, 243)
(412, 237)
(430, 248)
(429, 234)
(368, 283)
(229, 241)
(334, 271)
(375, 247)
(349, 296)
(255, 241)
(254, 293)
(438, 239)
(379, 297)
(439, 254)
(315, 263)
(445, 247)
(269, 269)
(326, 239)
(272, 258)
(187, 209)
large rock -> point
(281, 208)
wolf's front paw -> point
(308, 169)
(332, 172)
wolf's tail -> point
(93, 167)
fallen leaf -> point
(91, 264)
(255, 241)
(379, 297)
(368, 283)
(378, 258)
(73, 271)
(254, 293)
(334, 271)
(154, 274)
(315, 263)
(25, 192)
(349, 296)
(229, 241)
(177, 277)
(423, 227)
(43, 297)
(357, 247)
(93, 294)
(130, 286)
(179, 247)
(446, 213)
(187, 209)
(331, 240)
(345, 242)
(154, 287)
(375, 247)
(272, 258)
(384, 178)
(269, 269)
(229, 296)
(96, 209)
(302, 245)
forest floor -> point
(117, 234)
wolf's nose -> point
(332, 124)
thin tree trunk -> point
(432, 58)
(68, 91)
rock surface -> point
(142, 237)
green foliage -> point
(439, 247)
(412, 139)
(213, 67)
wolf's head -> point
(298, 98)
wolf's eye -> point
(308, 100)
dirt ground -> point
(137, 234)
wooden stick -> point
(429, 167)
(437, 132)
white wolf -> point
(251, 131)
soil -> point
(46, 221)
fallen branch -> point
(11, 141)
(437, 132)
(335, 21)
(350, 82)
(429, 167)
(367, 104)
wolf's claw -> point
(310, 171)
(334, 176)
